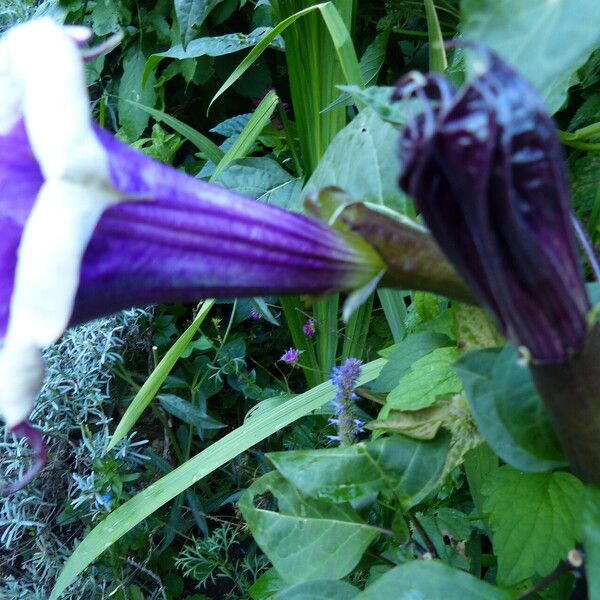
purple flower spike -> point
(90, 225)
(36, 441)
(485, 168)
(345, 379)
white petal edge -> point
(42, 80)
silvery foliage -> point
(72, 410)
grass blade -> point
(157, 377)
(394, 309)
(128, 515)
(210, 149)
(250, 133)
(437, 53)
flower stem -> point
(571, 393)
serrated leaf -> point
(404, 354)
(132, 119)
(319, 589)
(475, 369)
(362, 160)
(304, 538)
(534, 517)
(430, 580)
(584, 173)
(545, 41)
(429, 377)
(409, 468)
(475, 328)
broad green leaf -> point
(475, 369)
(591, 539)
(262, 178)
(418, 424)
(373, 58)
(125, 517)
(266, 586)
(188, 413)
(427, 305)
(379, 100)
(430, 580)
(520, 408)
(535, 519)
(253, 128)
(584, 171)
(362, 160)
(131, 118)
(411, 349)
(428, 378)
(319, 589)
(409, 468)
(546, 41)
(304, 538)
(107, 17)
(190, 15)
(157, 377)
(212, 46)
(475, 328)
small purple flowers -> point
(255, 315)
(485, 168)
(291, 356)
(308, 328)
(345, 378)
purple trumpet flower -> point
(90, 225)
(485, 168)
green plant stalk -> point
(437, 53)
(394, 309)
(326, 316)
(357, 328)
(314, 71)
(571, 393)
(292, 309)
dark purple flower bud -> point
(485, 168)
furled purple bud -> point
(485, 168)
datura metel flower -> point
(89, 225)
(485, 168)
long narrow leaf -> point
(157, 377)
(437, 53)
(212, 151)
(127, 516)
(342, 42)
(394, 309)
(250, 133)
